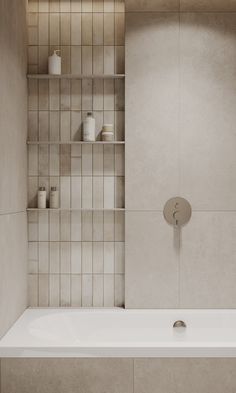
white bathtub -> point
(121, 333)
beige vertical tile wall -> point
(180, 69)
(13, 168)
(76, 258)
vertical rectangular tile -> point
(109, 160)
(76, 197)
(66, 59)
(54, 257)
(76, 60)
(87, 290)
(43, 290)
(119, 257)
(43, 226)
(76, 104)
(65, 28)
(33, 95)
(97, 160)
(65, 126)
(33, 290)
(87, 258)
(109, 94)
(119, 192)
(76, 226)
(76, 131)
(97, 234)
(54, 234)
(109, 192)
(119, 160)
(109, 5)
(87, 60)
(54, 290)
(76, 290)
(65, 94)
(43, 257)
(109, 60)
(98, 94)
(65, 267)
(109, 29)
(87, 6)
(54, 98)
(97, 290)
(87, 226)
(33, 125)
(98, 258)
(109, 226)
(97, 29)
(33, 257)
(76, 29)
(65, 226)
(98, 60)
(43, 29)
(32, 160)
(87, 192)
(76, 254)
(119, 28)
(87, 161)
(65, 290)
(119, 226)
(76, 6)
(109, 290)
(65, 192)
(54, 30)
(97, 192)
(65, 5)
(43, 54)
(109, 258)
(54, 6)
(119, 59)
(54, 160)
(87, 29)
(119, 290)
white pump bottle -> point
(54, 64)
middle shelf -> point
(82, 209)
(75, 143)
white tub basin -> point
(121, 333)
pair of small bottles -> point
(53, 200)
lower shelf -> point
(82, 209)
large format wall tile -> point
(184, 375)
(208, 116)
(13, 268)
(13, 161)
(13, 106)
(67, 375)
(207, 261)
(208, 5)
(152, 5)
(152, 163)
(151, 262)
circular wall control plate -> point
(177, 211)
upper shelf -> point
(75, 143)
(79, 76)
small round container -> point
(107, 136)
(108, 128)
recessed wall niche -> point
(76, 254)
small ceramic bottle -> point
(54, 198)
(54, 64)
(89, 128)
(42, 197)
